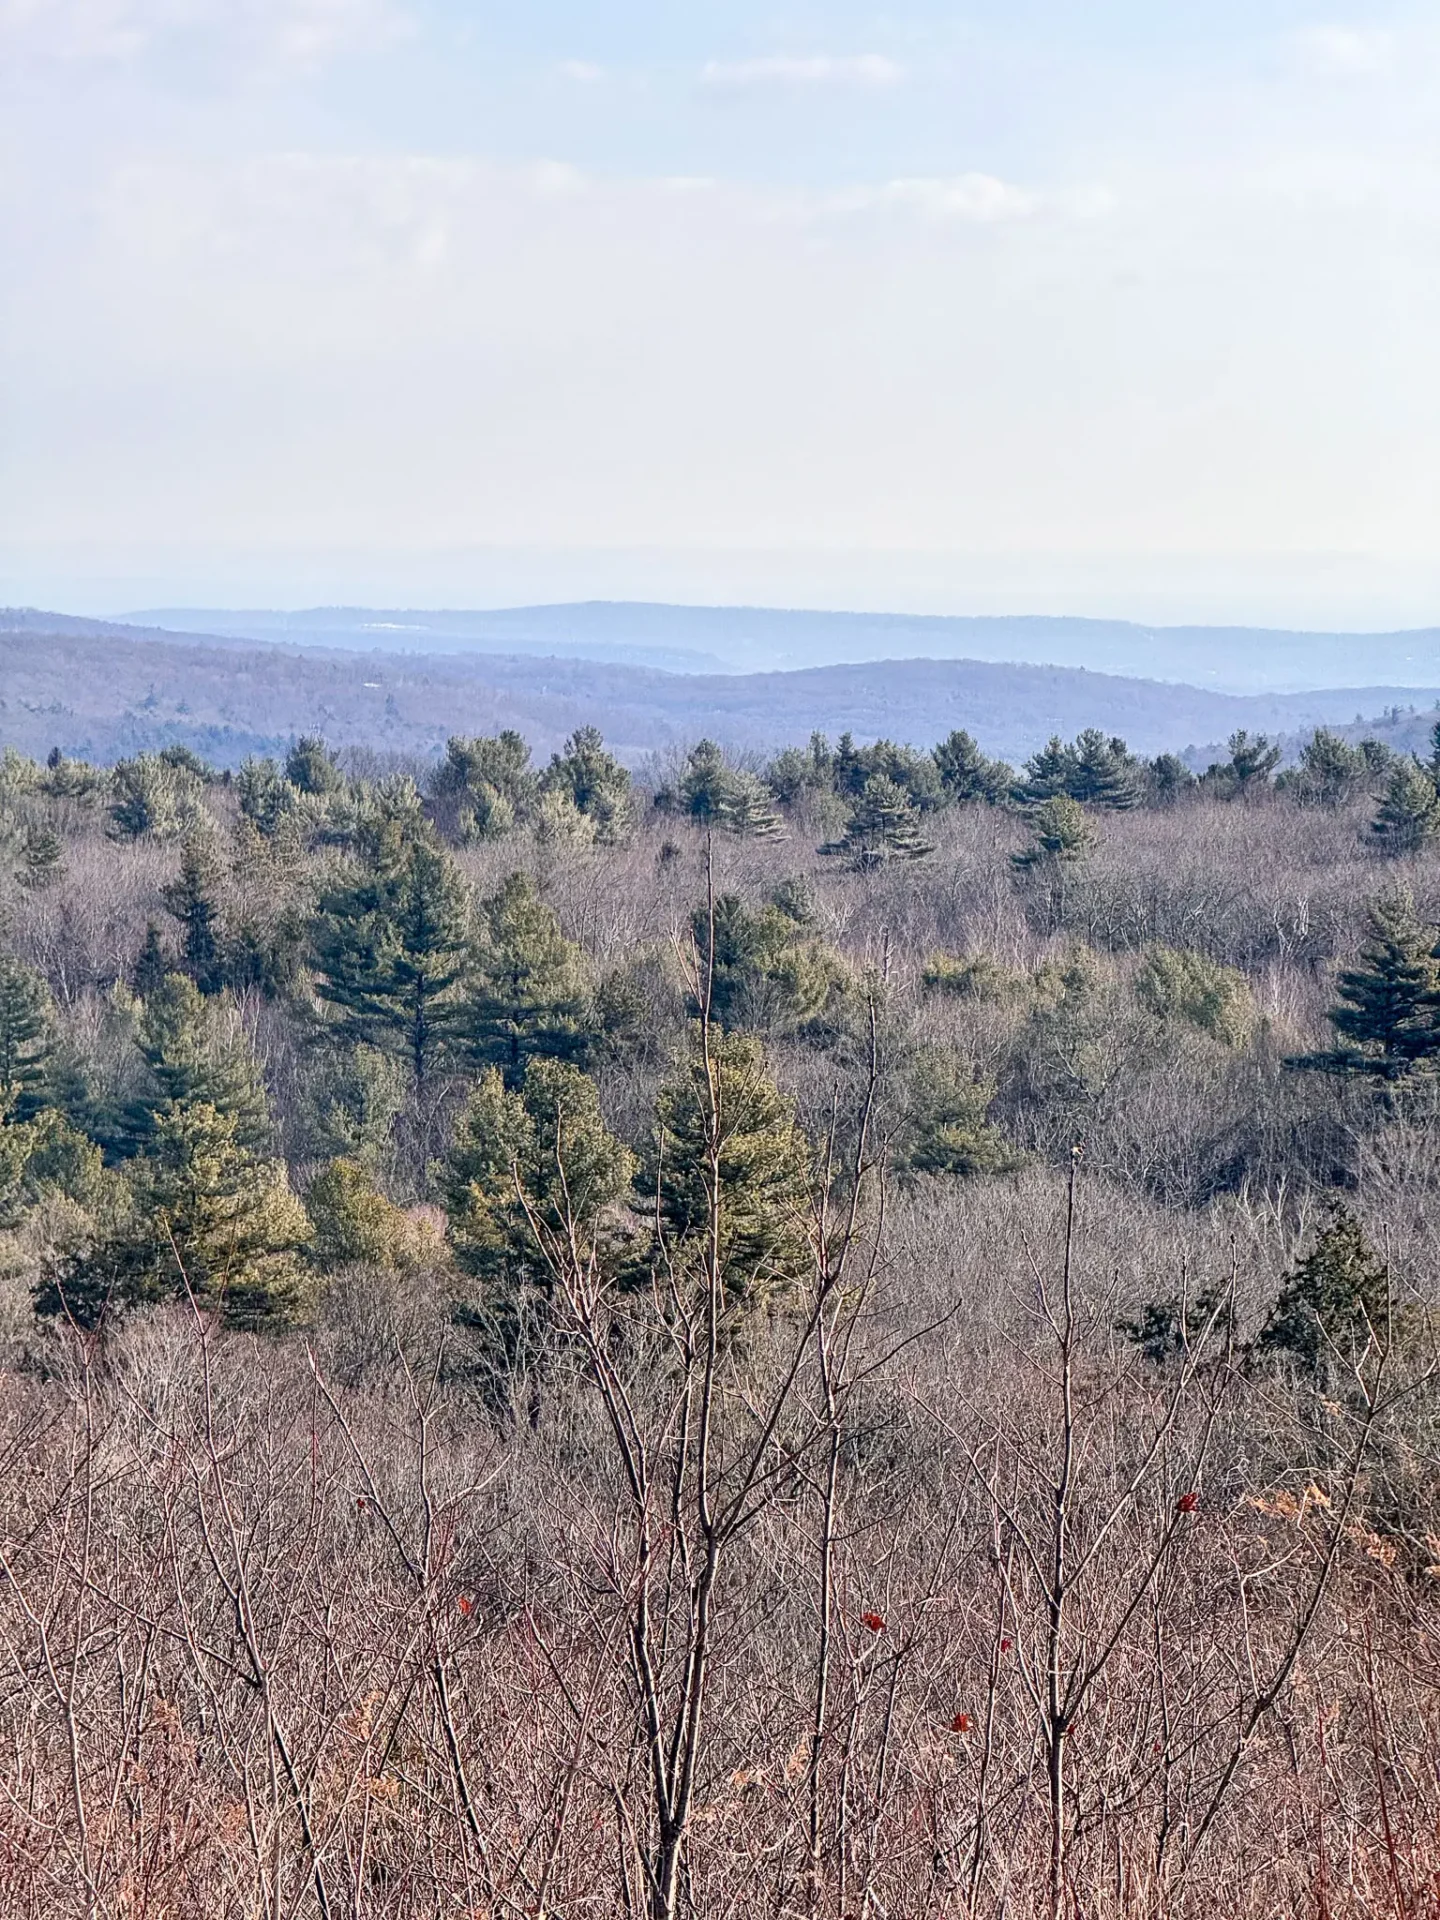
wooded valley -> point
(854, 1335)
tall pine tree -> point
(529, 995)
(1390, 1003)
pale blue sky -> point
(1116, 307)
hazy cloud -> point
(296, 30)
(818, 70)
(1342, 51)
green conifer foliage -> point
(25, 1040)
(967, 776)
(193, 900)
(152, 963)
(721, 798)
(152, 795)
(210, 1219)
(529, 996)
(1181, 985)
(883, 826)
(1167, 777)
(1328, 773)
(42, 859)
(486, 787)
(768, 967)
(1390, 1011)
(353, 1223)
(593, 780)
(1253, 759)
(1408, 818)
(1060, 833)
(310, 767)
(391, 953)
(528, 1168)
(195, 1053)
(1335, 1303)
(1050, 772)
(728, 1159)
(946, 1127)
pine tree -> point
(1390, 1011)
(354, 1224)
(485, 787)
(1049, 773)
(529, 995)
(721, 798)
(728, 1160)
(967, 776)
(210, 1220)
(1334, 1304)
(1167, 777)
(1248, 770)
(1409, 815)
(151, 795)
(152, 963)
(267, 798)
(391, 952)
(593, 780)
(191, 899)
(310, 767)
(1104, 772)
(767, 966)
(25, 1040)
(42, 859)
(1329, 771)
(528, 1168)
(1060, 833)
(194, 1053)
(946, 1128)
(883, 826)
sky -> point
(1118, 308)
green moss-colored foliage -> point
(26, 1040)
(967, 776)
(155, 796)
(1060, 833)
(529, 993)
(1408, 818)
(728, 1157)
(310, 767)
(352, 1223)
(946, 1129)
(883, 826)
(594, 782)
(767, 966)
(1185, 986)
(973, 976)
(1389, 1012)
(209, 1220)
(391, 952)
(192, 1051)
(529, 1169)
(486, 787)
(1336, 1303)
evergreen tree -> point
(799, 770)
(267, 798)
(191, 899)
(529, 995)
(767, 966)
(42, 859)
(713, 794)
(967, 776)
(1182, 985)
(883, 826)
(1252, 761)
(1167, 777)
(25, 1040)
(485, 787)
(593, 780)
(728, 1159)
(1104, 772)
(528, 1168)
(946, 1129)
(353, 1224)
(152, 963)
(391, 954)
(1409, 815)
(210, 1219)
(310, 767)
(1060, 833)
(1390, 1011)
(1050, 773)
(150, 795)
(1328, 773)
(194, 1054)
(1335, 1302)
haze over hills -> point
(698, 639)
(101, 690)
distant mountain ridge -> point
(689, 639)
(102, 690)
